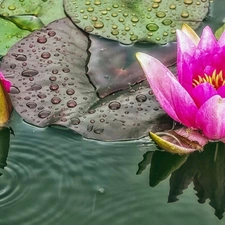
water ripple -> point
(56, 177)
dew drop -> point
(70, 91)
(89, 127)
(66, 70)
(63, 120)
(98, 24)
(98, 130)
(167, 22)
(75, 121)
(12, 7)
(55, 100)
(55, 71)
(31, 105)
(13, 66)
(52, 78)
(88, 29)
(27, 98)
(54, 87)
(43, 114)
(34, 87)
(71, 104)
(21, 57)
(114, 105)
(91, 111)
(29, 73)
(188, 2)
(152, 27)
(160, 14)
(51, 33)
(45, 55)
(141, 98)
(14, 90)
(42, 40)
(42, 95)
(134, 19)
(185, 14)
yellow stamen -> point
(216, 79)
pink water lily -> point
(5, 83)
(5, 103)
(197, 98)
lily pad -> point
(47, 70)
(121, 69)
(46, 10)
(129, 21)
(20, 17)
(219, 31)
(10, 34)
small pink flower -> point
(197, 98)
(6, 84)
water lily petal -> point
(221, 91)
(185, 50)
(184, 44)
(193, 135)
(210, 118)
(190, 33)
(208, 42)
(6, 84)
(202, 93)
(173, 98)
(221, 40)
(185, 73)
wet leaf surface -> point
(113, 66)
(129, 21)
(50, 86)
(20, 17)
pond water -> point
(54, 176)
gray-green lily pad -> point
(19, 18)
(50, 86)
(129, 21)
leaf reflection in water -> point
(206, 170)
(4, 146)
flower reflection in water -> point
(206, 170)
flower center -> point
(216, 79)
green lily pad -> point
(10, 34)
(18, 18)
(219, 32)
(129, 21)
